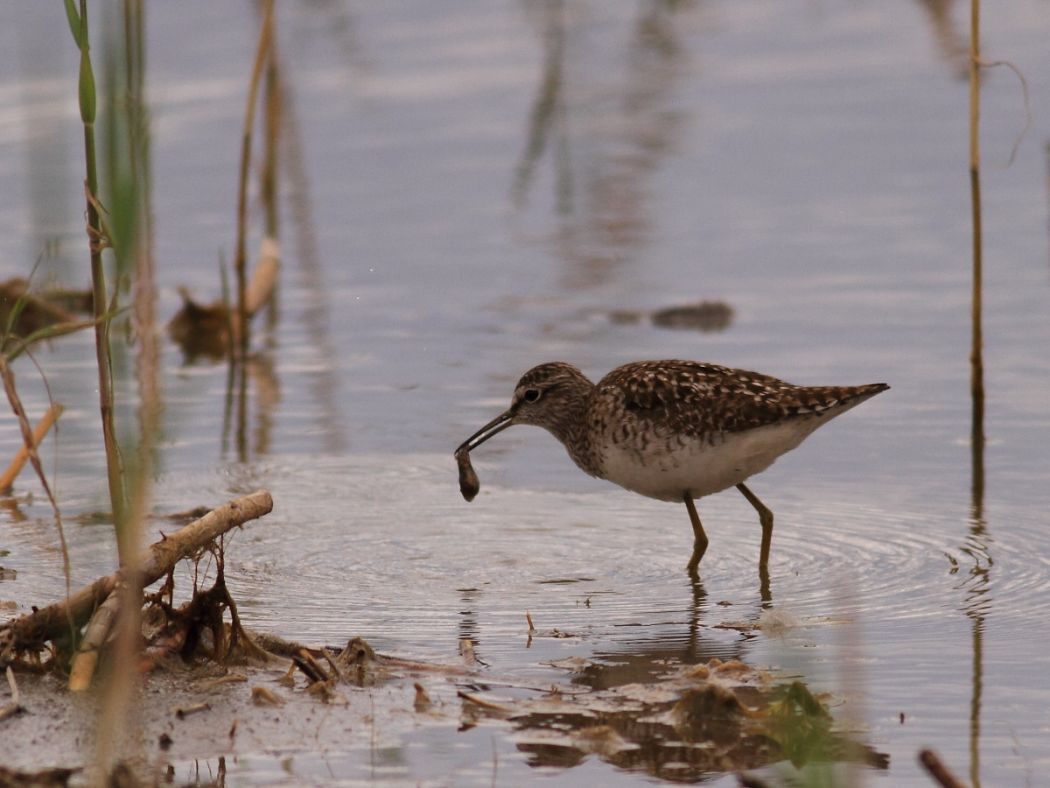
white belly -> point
(701, 468)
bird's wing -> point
(689, 398)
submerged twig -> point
(481, 703)
(935, 767)
(422, 699)
(182, 712)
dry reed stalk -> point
(7, 479)
(274, 106)
(975, 85)
(928, 758)
(976, 337)
(261, 52)
(273, 103)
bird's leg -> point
(765, 516)
(763, 586)
(699, 537)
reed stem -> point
(261, 53)
(976, 374)
(114, 466)
(976, 313)
(272, 121)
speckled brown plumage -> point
(695, 399)
(667, 402)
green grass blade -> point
(87, 88)
(74, 21)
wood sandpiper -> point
(672, 430)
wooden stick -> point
(34, 629)
(95, 635)
(261, 53)
(22, 455)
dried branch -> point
(34, 629)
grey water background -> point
(488, 181)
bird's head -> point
(549, 395)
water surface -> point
(488, 182)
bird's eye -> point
(531, 395)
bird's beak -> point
(495, 426)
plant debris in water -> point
(201, 329)
(714, 718)
(34, 311)
(702, 316)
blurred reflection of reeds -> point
(602, 158)
(951, 43)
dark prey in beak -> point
(469, 485)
